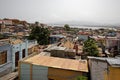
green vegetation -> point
(90, 47)
(2, 36)
(40, 34)
(82, 78)
(67, 28)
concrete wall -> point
(24, 71)
(7, 67)
(97, 69)
(39, 72)
(19, 48)
(32, 43)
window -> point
(3, 57)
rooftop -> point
(17, 41)
(60, 36)
(114, 62)
(84, 33)
(61, 63)
(68, 44)
(4, 42)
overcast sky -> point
(50, 11)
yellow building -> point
(113, 72)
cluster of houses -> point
(59, 61)
(13, 27)
(14, 45)
(109, 42)
(16, 27)
(62, 58)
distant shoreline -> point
(87, 27)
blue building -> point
(11, 53)
(19, 50)
(5, 58)
(55, 38)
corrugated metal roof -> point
(114, 62)
(111, 61)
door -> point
(23, 53)
(16, 58)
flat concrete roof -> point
(61, 63)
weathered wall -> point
(11, 50)
(28, 71)
(32, 72)
(7, 67)
(7, 48)
(113, 73)
(24, 71)
(97, 69)
(39, 72)
(18, 47)
(60, 74)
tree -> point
(67, 28)
(90, 47)
(40, 34)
